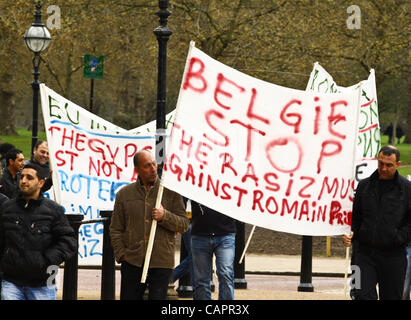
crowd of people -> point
(35, 233)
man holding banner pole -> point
(381, 229)
(134, 212)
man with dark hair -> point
(41, 157)
(4, 148)
(134, 212)
(35, 238)
(381, 229)
(9, 182)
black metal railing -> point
(70, 278)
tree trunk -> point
(408, 133)
(394, 128)
(7, 105)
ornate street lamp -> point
(37, 39)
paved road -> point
(259, 287)
(272, 285)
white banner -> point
(267, 155)
(91, 159)
(150, 127)
(368, 140)
(56, 107)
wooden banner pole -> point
(347, 262)
(151, 238)
(246, 245)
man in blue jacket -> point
(381, 229)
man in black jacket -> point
(212, 233)
(3, 198)
(9, 182)
(381, 229)
(4, 148)
(35, 237)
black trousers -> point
(132, 289)
(386, 269)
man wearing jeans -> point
(212, 233)
(35, 238)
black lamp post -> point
(162, 33)
(37, 39)
(306, 265)
(239, 269)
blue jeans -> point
(203, 248)
(407, 282)
(185, 266)
(9, 291)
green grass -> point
(405, 150)
(23, 140)
(405, 171)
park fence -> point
(70, 278)
(185, 289)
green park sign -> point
(93, 67)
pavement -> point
(268, 277)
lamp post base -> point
(305, 287)
(240, 284)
